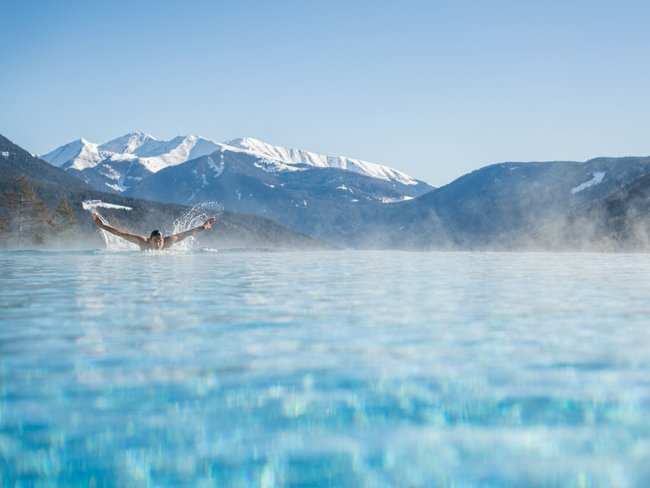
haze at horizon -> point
(434, 89)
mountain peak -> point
(243, 141)
(293, 157)
(79, 154)
(139, 134)
(153, 155)
(127, 143)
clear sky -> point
(433, 88)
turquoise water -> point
(324, 369)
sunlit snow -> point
(136, 146)
(79, 154)
(291, 157)
(155, 155)
(597, 179)
(217, 168)
(395, 200)
(116, 187)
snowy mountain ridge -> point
(154, 155)
(292, 157)
(79, 154)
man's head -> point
(156, 240)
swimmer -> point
(156, 240)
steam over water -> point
(324, 369)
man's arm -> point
(135, 239)
(169, 240)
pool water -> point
(206, 368)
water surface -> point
(328, 368)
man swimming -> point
(156, 240)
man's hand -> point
(208, 223)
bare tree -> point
(27, 213)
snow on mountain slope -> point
(126, 160)
(153, 154)
(292, 157)
(79, 154)
(128, 143)
(178, 150)
(596, 180)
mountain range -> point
(600, 204)
(53, 186)
(536, 205)
(121, 163)
(310, 193)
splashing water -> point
(194, 217)
(113, 242)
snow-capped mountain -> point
(79, 155)
(291, 159)
(125, 161)
(153, 154)
(53, 185)
(302, 190)
(597, 204)
(119, 163)
(128, 143)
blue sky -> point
(435, 89)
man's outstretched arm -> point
(184, 235)
(135, 239)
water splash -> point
(195, 217)
(113, 242)
(94, 204)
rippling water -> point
(327, 369)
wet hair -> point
(155, 233)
